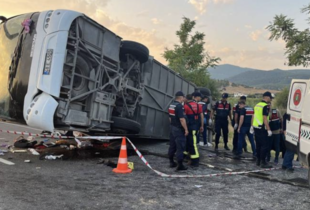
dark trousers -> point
(288, 159)
(191, 146)
(245, 131)
(262, 145)
(221, 125)
(274, 143)
(236, 140)
(177, 143)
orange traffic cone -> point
(122, 165)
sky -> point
(235, 29)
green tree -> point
(282, 98)
(189, 57)
(297, 42)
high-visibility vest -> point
(258, 120)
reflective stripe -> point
(196, 155)
(123, 147)
(122, 160)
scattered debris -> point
(131, 165)
(199, 186)
(6, 162)
(53, 157)
(27, 161)
(33, 151)
(17, 151)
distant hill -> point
(225, 71)
(273, 79)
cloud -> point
(94, 9)
(262, 58)
(201, 5)
(248, 26)
(156, 21)
(255, 35)
(142, 13)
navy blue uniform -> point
(206, 118)
(247, 113)
(221, 121)
(235, 138)
(177, 133)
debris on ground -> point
(53, 157)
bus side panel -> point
(160, 84)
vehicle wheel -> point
(204, 91)
(80, 84)
(136, 49)
(133, 127)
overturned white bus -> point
(62, 70)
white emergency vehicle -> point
(298, 123)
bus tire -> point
(133, 127)
(136, 49)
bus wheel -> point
(139, 51)
(131, 126)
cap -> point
(225, 95)
(267, 94)
(179, 93)
(197, 94)
(243, 97)
(193, 93)
(189, 96)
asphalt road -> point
(83, 184)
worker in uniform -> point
(244, 125)
(222, 109)
(195, 124)
(234, 124)
(275, 125)
(204, 105)
(260, 125)
(178, 131)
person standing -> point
(260, 123)
(178, 131)
(244, 125)
(222, 109)
(289, 154)
(195, 124)
(204, 105)
(276, 128)
(234, 124)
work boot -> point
(216, 148)
(257, 162)
(172, 163)
(265, 165)
(237, 157)
(181, 167)
(245, 150)
(226, 147)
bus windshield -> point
(9, 33)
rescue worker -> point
(274, 140)
(260, 125)
(244, 125)
(204, 105)
(223, 111)
(195, 124)
(178, 131)
(289, 154)
(234, 124)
